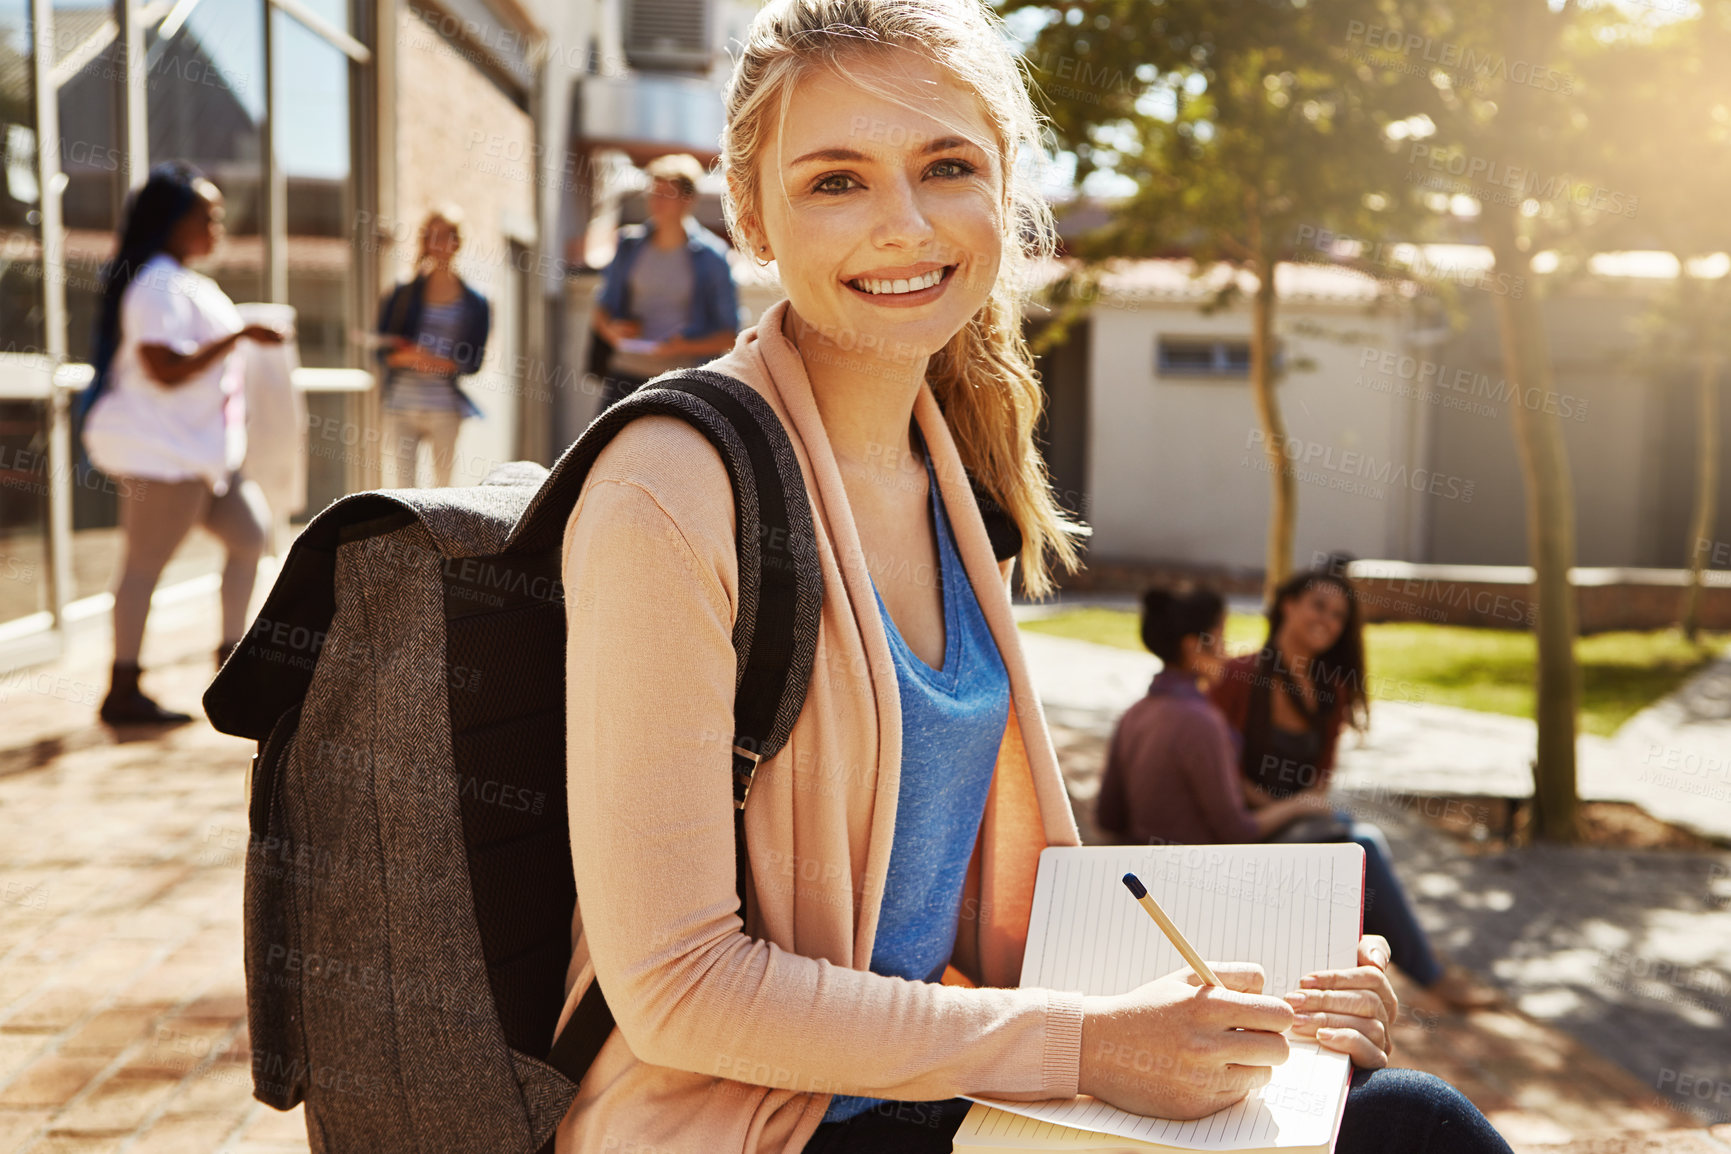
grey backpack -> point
(408, 875)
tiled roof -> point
(1179, 280)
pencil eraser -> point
(1135, 886)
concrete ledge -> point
(1500, 597)
(1485, 596)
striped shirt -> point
(440, 330)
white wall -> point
(1174, 463)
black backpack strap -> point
(780, 595)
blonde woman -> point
(435, 330)
(877, 151)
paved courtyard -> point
(1618, 958)
(122, 1023)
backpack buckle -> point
(743, 773)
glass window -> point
(335, 11)
(89, 62)
(20, 196)
(312, 153)
(24, 475)
(1202, 357)
(206, 101)
(89, 67)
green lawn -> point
(1484, 669)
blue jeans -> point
(1386, 909)
(1387, 912)
(1387, 1112)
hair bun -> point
(1169, 616)
(1158, 600)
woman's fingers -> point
(1351, 1010)
(1246, 977)
(1372, 1029)
(1362, 1003)
(1358, 978)
(1231, 1009)
(1253, 1048)
(1238, 1081)
(1364, 1053)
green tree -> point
(1664, 108)
(1507, 127)
(1253, 133)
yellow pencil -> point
(1135, 886)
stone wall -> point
(1484, 596)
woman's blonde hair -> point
(451, 214)
(984, 378)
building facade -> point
(1399, 425)
(332, 128)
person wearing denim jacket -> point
(434, 330)
(660, 312)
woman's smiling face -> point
(890, 232)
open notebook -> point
(1291, 908)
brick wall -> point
(459, 139)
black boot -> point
(126, 704)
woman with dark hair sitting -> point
(1288, 703)
(166, 416)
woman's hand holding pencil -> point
(1351, 1010)
(1170, 1049)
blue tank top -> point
(953, 721)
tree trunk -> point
(1706, 483)
(1550, 512)
(1282, 489)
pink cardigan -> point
(731, 1037)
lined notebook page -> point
(1291, 908)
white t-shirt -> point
(193, 430)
